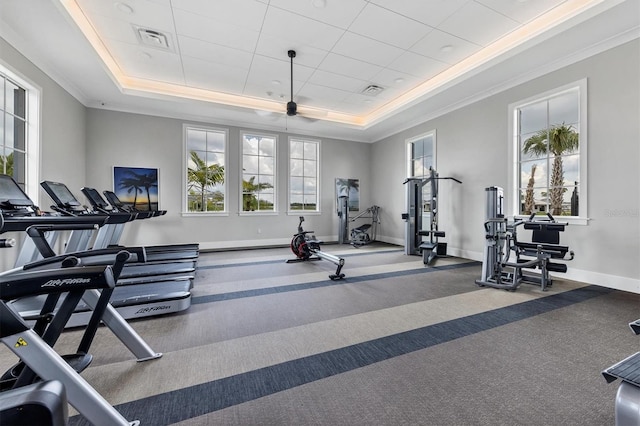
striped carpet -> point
(394, 343)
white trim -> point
(318, 176)
(241, 212)
(185, 195)
(512, 208)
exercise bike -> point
(307, 247)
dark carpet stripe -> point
(198, 400)
(324, 283)
(270, 262)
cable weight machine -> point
(414, 244)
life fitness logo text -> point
(66, 281)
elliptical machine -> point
(307, 247)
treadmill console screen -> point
(11, 195)
(60, 194)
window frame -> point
(33, 113)
(318, 144)
(241, 210)
(185, 159)
(411, 140)
(512, 207)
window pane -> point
(2, 89)
(534, 145)
(296, 149)
(533, 117)
(309, 186)
(538, 170)
(310, 151)
(215, 158)
(15, 102)
(266, 165)
(266, 183)
(196, 140)
(563, 109)
(571, 169)
(296, 167)
(215, 141)
(250, 145)
(418, 148)
(296, 185)
(267, 146)
(265, 202)
(309, 168)
(250, 163)
(19, 136)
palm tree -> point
(249, 190)
(202, 176)
(148, 181)
(556, 141)
(6, 164)
(131, 184)
(529, 202)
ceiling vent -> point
(372, 90)
(153, 38)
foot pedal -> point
(627, 370)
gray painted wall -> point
(134, 140)
(472, 145)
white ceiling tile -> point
(277, 48)
(478, 24)
(240, 13)
(349, 67)
(114, 29)
(153, 64)
(430, 12)
(287, 25)
(418, 66)
(521, 11)
(395, 82)
(144, 13)
(337, 81)
(214, 52)
(265, 72)
(388, 27)
(321, 96)
(214, 31)
(339, 13)
(432, 46)
(366, 50)
(217, 77)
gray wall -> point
(472, 145)
(134, 140)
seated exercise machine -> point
(365, 234)
(627, 406)
(414, 244)
(307, 247)
(501, 239)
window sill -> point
(258, 213)
(203, 214)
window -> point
(206, 172)
(549, 147)
(421, 154)
(19, 131)
(304, 166)
(258, 173)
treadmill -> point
(151, 295)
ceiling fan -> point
(292, 107)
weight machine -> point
(414, 244)
(501, 239)
(307, 247)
